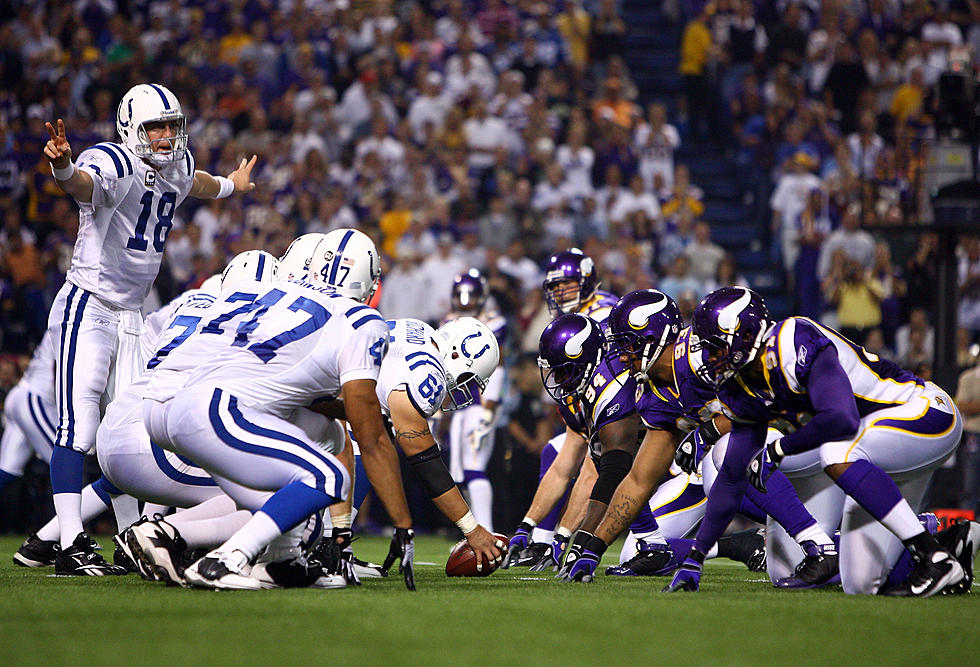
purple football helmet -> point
(469, 292)
(729, 325)
(569, 265)
(568, 353)
(642, 324)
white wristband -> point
(341, 521)
(529, 521)
(64, 173)
(225, 187)
(467, 523)
(564, 532)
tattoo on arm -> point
(412, 435)
(622, 513)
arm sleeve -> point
(835, 410)
(108, 166)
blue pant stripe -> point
(168, 469)
(72, 343)
(235, 443)
(60, 379)
(43, 425)
(245, 425)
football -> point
(462, 560)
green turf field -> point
(513, 617)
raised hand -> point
(57, 150)
(242, 176)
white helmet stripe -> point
(728, 317)
(573, 346)
(640, 315)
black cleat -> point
(652, 559)
(749, 547)
(933, 573)
(121, 557)
(158, 550)
(80, 559)
(35, 552)
(532, 555)
(820, 567)
(962, 540)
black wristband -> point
(709, 432)
(594, 544)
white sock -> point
(68, 510)
(712, 552)
(652, 537)
(150, 510)
(126, 510)
(902, 521)
(212, 508)
(253, 537)
(90, 505)
(481, 502)
(209, 533)
(542, 535)
(814, 534)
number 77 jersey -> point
(276, 347)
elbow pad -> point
(432, 470)
(613, 468)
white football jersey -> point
(168, 327)
(38, 378)
(123, 230)
(277, 347)
(414, 365)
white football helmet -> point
(347, 261)
(295, 262)
(147, 103)
(257, 265)
(470, 355)
(212, 285)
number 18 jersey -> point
(276, 347)
(123, 230)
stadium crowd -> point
(491, 134)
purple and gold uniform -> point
(609, 397)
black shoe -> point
(962, 540)
(35, 552)
(747, 546)
(80, 559)
(121, 557)
(158, 549)
(820, 567)
(651, 560)
(532, 555)
(933, 573)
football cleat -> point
(546, 561)
(820, 567)
(158, 550)
(962, 540)
(749, 547)
(933, 573)
(80, 559)
(121, 557)
(35, 552)
(223, 570)
(294, 573)
(326, 581)
(532, 555)
(652, 559)
(365, 570)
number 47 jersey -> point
(122, 231)
(276, 347)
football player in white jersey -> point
(426, 370)
(127, 193)
(265, 353)
(471, 431)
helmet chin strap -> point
(646, 355)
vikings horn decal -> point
(728, 317)
(640, 315)
(573, 346)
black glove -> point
(519, 542)
(402, 549)
(335, 556)
(763, 466)
(687, 452)
(573, 552)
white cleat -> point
(158, 547)
(223, 571)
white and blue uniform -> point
(264, 351)
(29, 412)
(121, 238)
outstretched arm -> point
(413, 436)
(70, 179)
(207, 186)
(555, 481)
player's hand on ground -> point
(487, 547)
(552, 557)
(402, 549)
(335, 559)
(573, 553)
(57, 150)
(518, 543)
(688, 575)
(242, 177)
(584, 567)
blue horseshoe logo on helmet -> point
(126, 123)
(462, 346)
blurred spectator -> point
(856, 296)
(812, 228)
(608, 32)
(787, 40)
(917, 327)
(680, 279)
(969, 284)
(697, 53)
(854, 242)
(435, 279)
(968, 401)
(865, 145)
(655, 142)
(789, 200)
(705, 256)
(516, 264)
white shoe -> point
(158, 547)
(326, 581)
(223, 570)
(366, 570)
